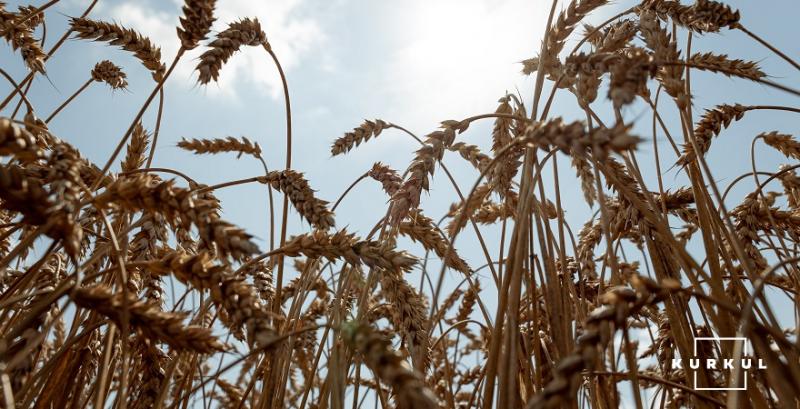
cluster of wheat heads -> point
(330, 318)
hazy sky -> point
(410, 62)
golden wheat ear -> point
(198, 16)
(106, 71)
(245, 32)
(365, 131)
(127, 39)
(134, 158)
(406, 383)
(296, 187)
(388, 177)
(17, 141)
(784, 144)
(148, 319)
(710, 125)
(422, 229)
(704, 16)
(230, 144)
(17, 29)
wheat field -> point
(123, 286)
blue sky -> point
(411, 62)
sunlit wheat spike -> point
(106, 71)
(614, 37)
(460, 212)
(388, 366)
(791, 186)
(179, 207)
(664, 48)
(198, 16)
(566, 22)
(422, 168)
(346, 246)
(26, 194)
(470, 153)
(20, 36)
(134, 158)
(364, 132)
(230, 144)
(32, 16)
(127, 39)
(245, 32)
(722, 64)
(710, 125)
(17, 141)
(421, 228)
(702, 16)
(388, 177)
(296, 187)
(785, 144)
(151, 321)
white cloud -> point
(457, 57)
(293, 37)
